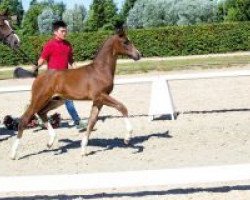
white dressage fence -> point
(161, 101)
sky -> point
(70, 3)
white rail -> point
(224, 74)
(191, 76)
(165, 177)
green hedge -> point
(167, 41)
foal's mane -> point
(101, 46)
(97, 52)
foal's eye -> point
(126, 42)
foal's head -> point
(7, 34)
(124, 46)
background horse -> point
(94, 82)
(7, 35)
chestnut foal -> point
(94, 82)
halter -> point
(5, 37)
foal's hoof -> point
(84, 153)
(51, 142)
(13, 156)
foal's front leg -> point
(91, 123)
(110, 101)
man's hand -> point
(35, 70)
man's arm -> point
(40, 62)
(45, 54)
(72, 64)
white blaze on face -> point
(7, 23)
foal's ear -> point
(120, 29)
(5, 12)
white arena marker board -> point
(165, 177)
(161, 100)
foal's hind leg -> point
(52, 104)
(91, 123)
(110, 101)
(52, 133)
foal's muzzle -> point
(136, 56)
(13, 41)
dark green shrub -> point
(166, 41)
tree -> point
(29, 23)
(68, 17)
(30, 20)
(58, 8)
(33, 2)
(4, 5)
(14, 8)
(147, 13)
(80, 15)
(75, 18)
(111, 16)
(127, 6)
(156, 15)
(83, 10)
(235, 10)
(96, 16)
(45, 20)
(195, 12)
(102, 15)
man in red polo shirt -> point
(58, 54)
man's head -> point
(60, 29)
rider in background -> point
(58, 54)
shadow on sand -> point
(141, 194)
(106, 144)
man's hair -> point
(58, 24)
